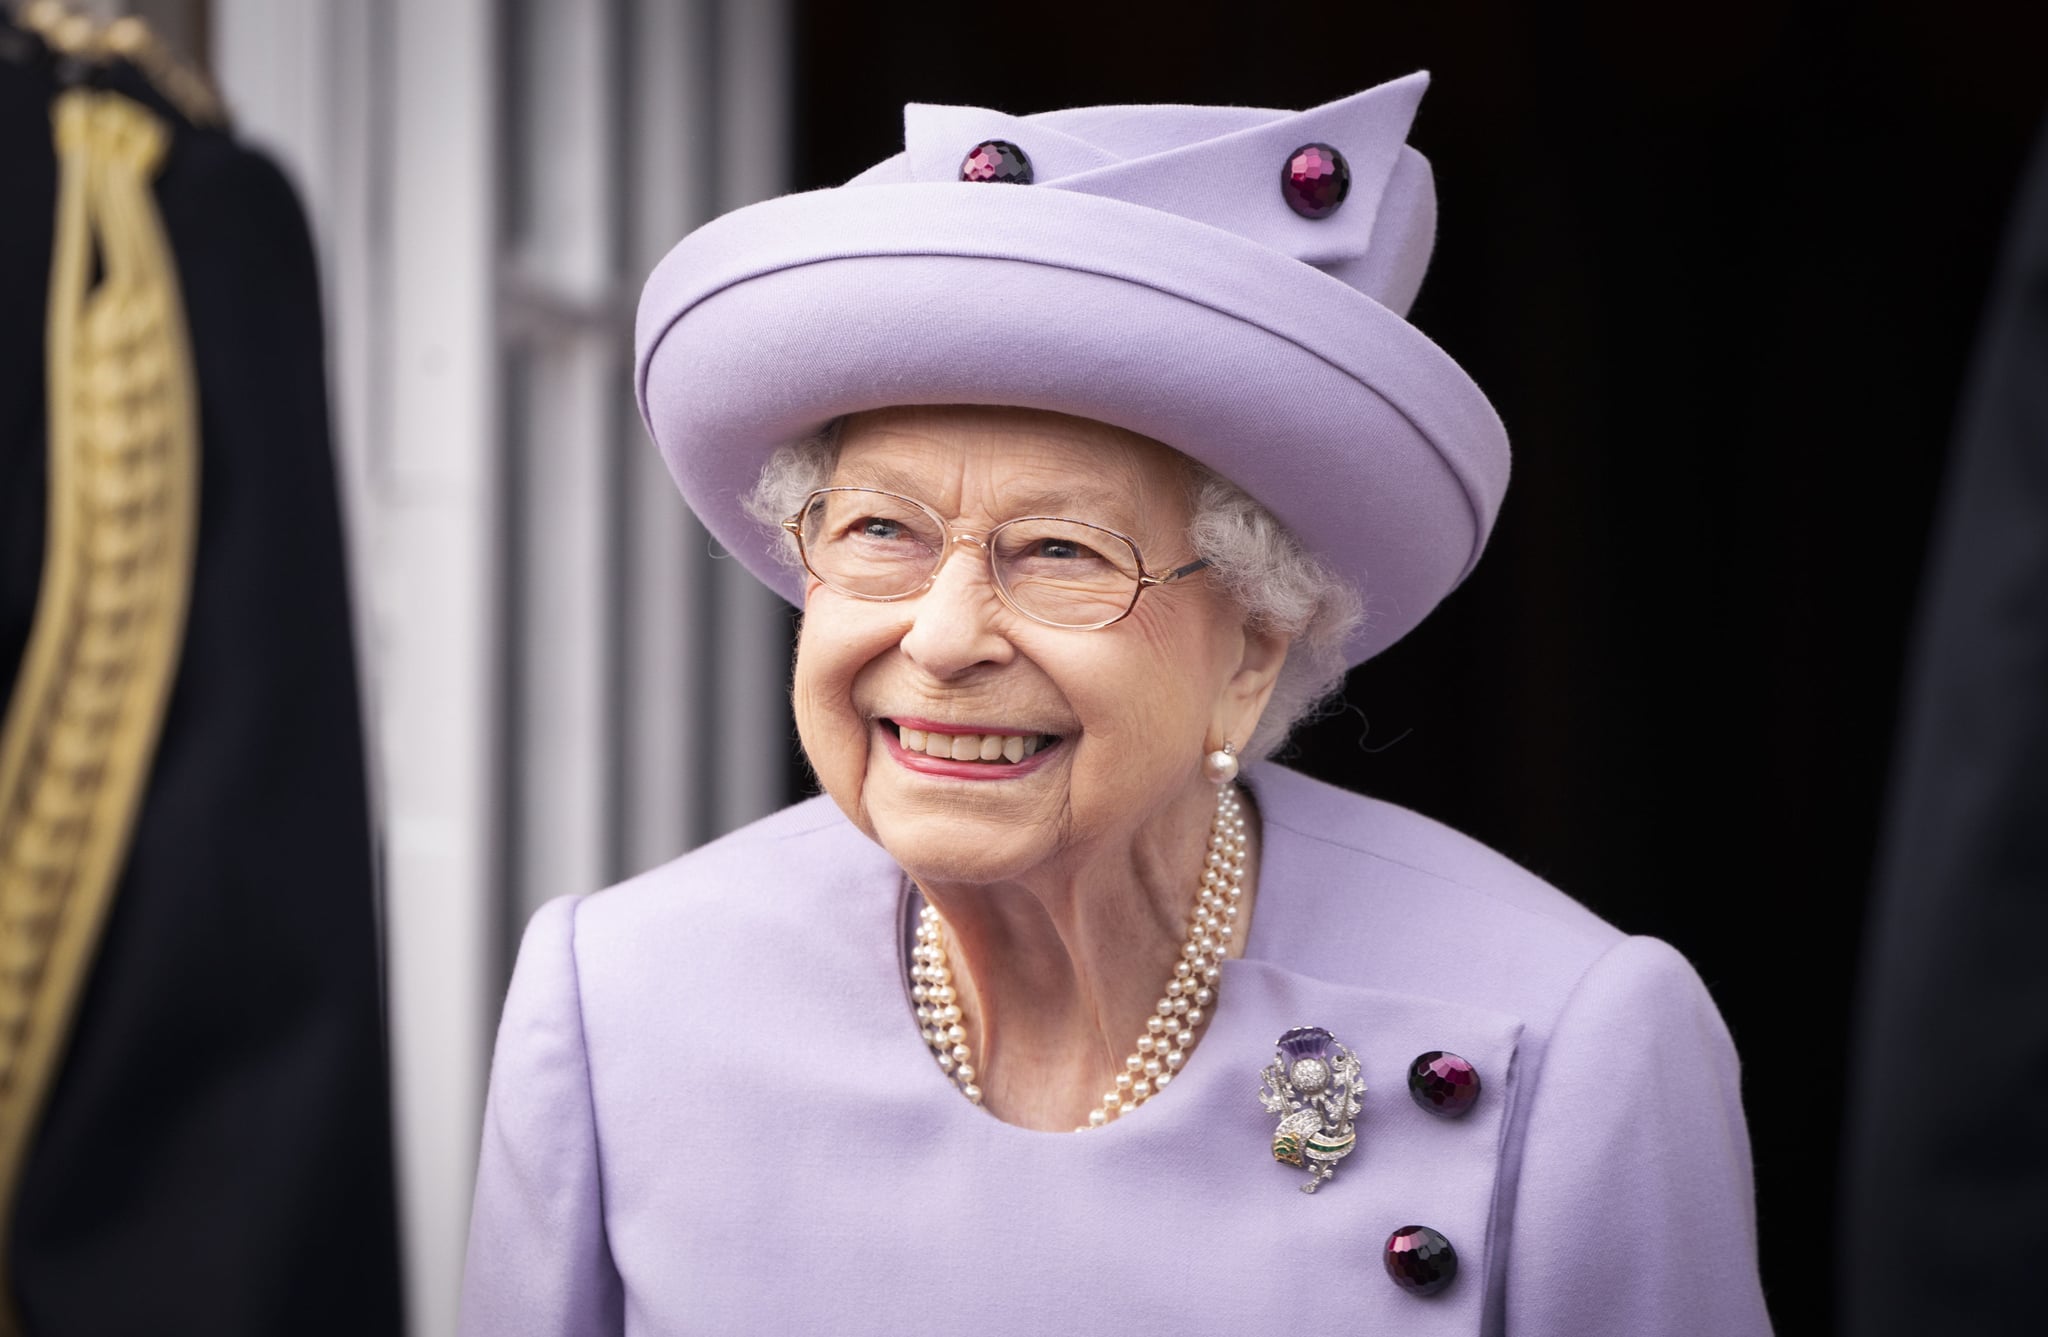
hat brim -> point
(1363, 437)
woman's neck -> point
(1058, 973)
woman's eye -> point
(874, 527)
(1063, 549)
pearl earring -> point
(1221, 765)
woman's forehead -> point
(1022, 460)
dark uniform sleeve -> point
(1947, 1188)
(214, 1154)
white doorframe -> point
(607, 694)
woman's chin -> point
(939, 848)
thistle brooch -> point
(1313, 1086)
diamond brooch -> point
(1313, 1086)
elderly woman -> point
(1094, 447)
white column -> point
(664, 666)
(751, 710)
(384, 115)
(633, 702)
(435, 470)
(566, 388)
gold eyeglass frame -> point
(954, 535)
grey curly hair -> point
(1281, 587)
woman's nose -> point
(959, 621)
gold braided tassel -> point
(81, 728)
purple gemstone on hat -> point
(1443, 1083)
(1314, 180)
(1421, 1261)
(996, 160)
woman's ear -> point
(1249, 688)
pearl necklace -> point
(1169, 1032)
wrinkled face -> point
(899, 703)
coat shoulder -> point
(1417, 905)
(787, 863)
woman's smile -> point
(963, 752)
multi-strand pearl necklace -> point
(1169, 1032)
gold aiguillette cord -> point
(81, 727)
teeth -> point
(970, 746)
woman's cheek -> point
(829, 723)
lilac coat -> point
(711, 1112)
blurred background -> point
(1721, 270)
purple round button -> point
(996, 160)
(1314, 180)
(1443, 1083)
(1421, 1261)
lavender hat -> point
(1159, 270)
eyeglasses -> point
(876, 545)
